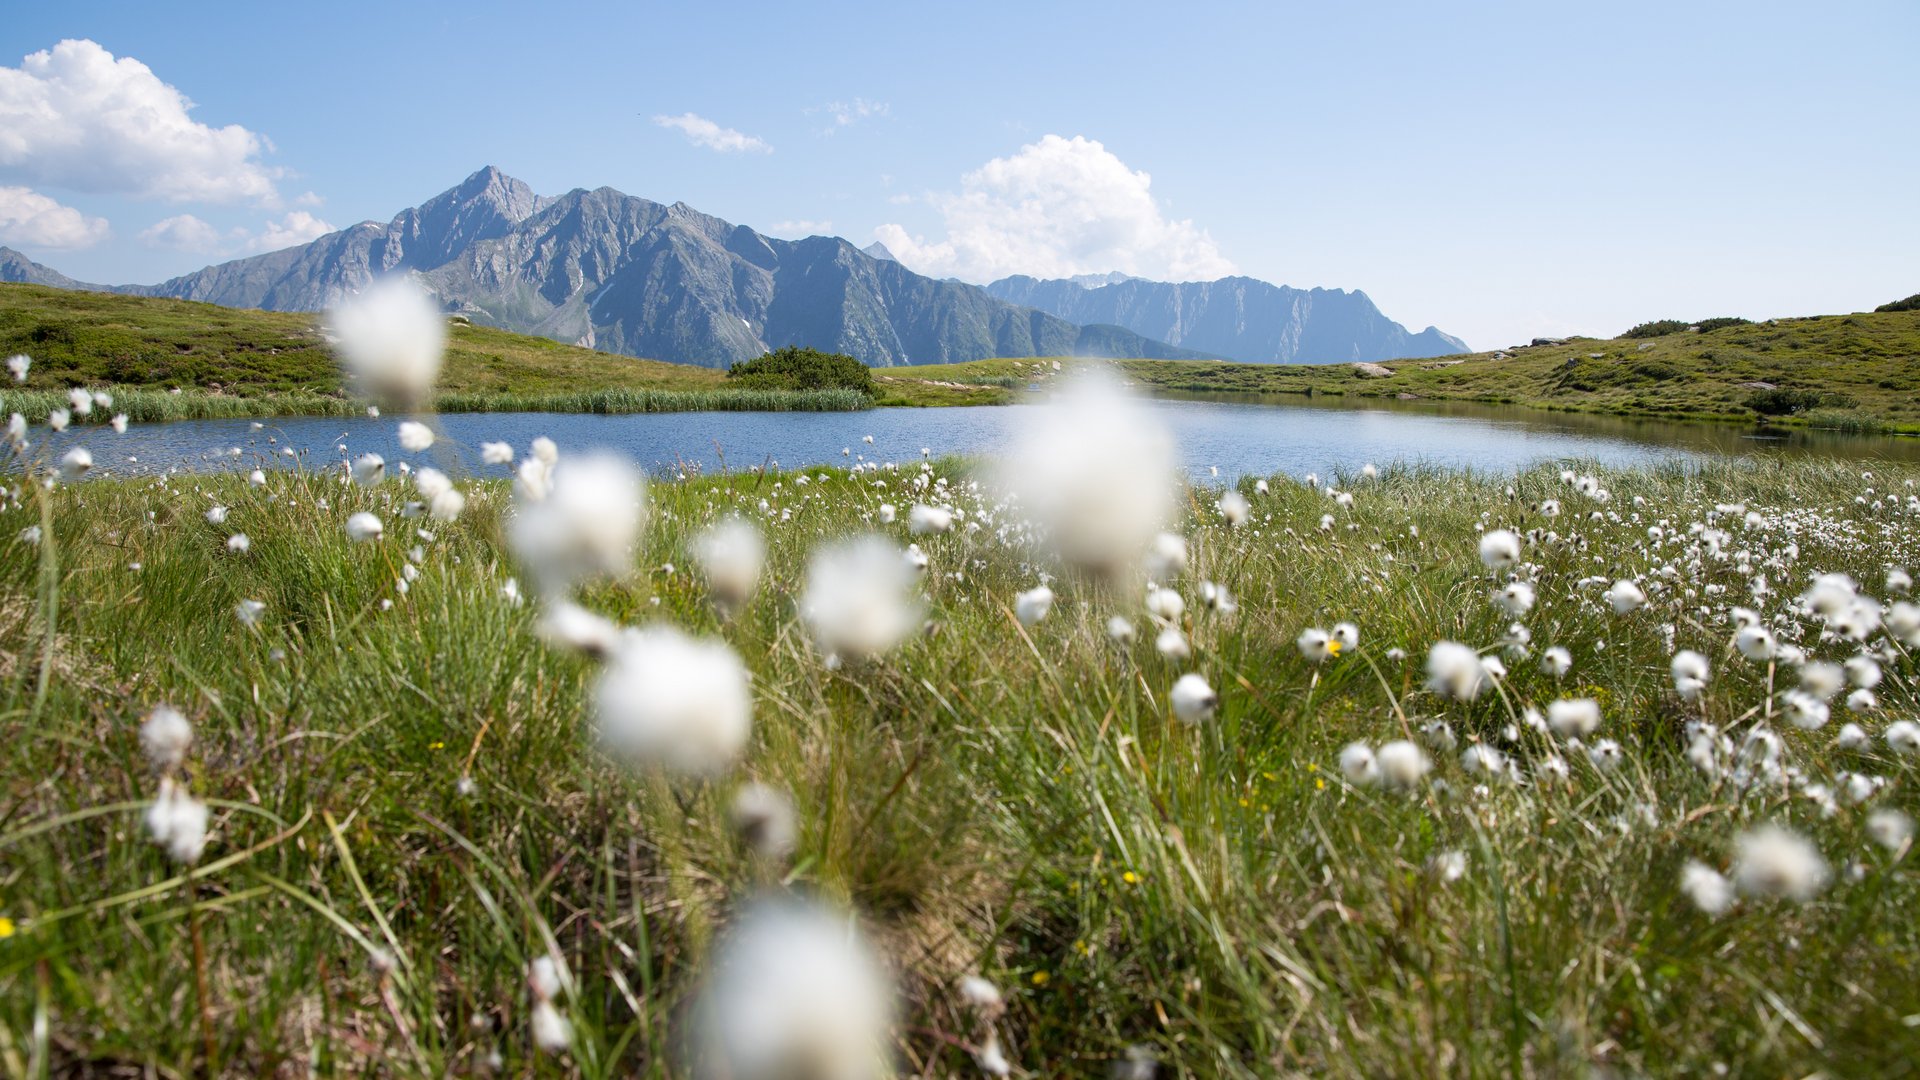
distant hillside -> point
(610, 271)
(1238, 318)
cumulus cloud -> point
(849, 113)
(803, 227)
(703, 132)
(77, 117)
(1057, 208)
(297, 227)
(30, 219)
(184, 232)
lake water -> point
(1237, 437)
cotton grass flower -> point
(1625, 597)
(1358, 765)
(1890, 828)
(415, 436)
(731, 553)
(1119, 630)
(585, 527)
(1499, 550)
(1316, 645)
(1455, 671)
(1402, 764)
(1094, 470)
(675, 701)
(1574, 718)
(924, 520)
(1774, 862)
(552, 1032)
(363, 527)
(75, 463)
(1690, 674)
(859, 600)
(794, 993)
(1167, 558)
(1193, 700)
(1556, 662)
(1234, 508)
(1172, 645)
(165, 736)
(18, 365)
(369, 469)
(80, 401)
(763, 817)
(178, 822)
(239, 544)
(1516, 598)
(392, 339)
(1902, 737)
(1756, 643)
(496, 453)
(1165, 604)
(1709, 890)
(1032, 606)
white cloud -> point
(802, 227)
(703, 132)
(297, 227)
(848, 113)
(184, 232)
(1057, 208)
(30, 219)
(76, 117)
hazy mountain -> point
(15, 267)
(1238, 318)
(627, 275)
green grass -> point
(228, 362)
(1013, 801)
(1871, 361)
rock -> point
(1757, 385)
(1549, 341)
(1373, 371)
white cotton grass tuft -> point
(415, 436)
(76, 463)
(496, 453)
(570, 626)
(1358, 764)
(392, 339)
(666, 699)
(1094, 469)
(178, 822)
(1455, 671)
(1890, 828)
(585, 526)
(363, 527)
(1709, 890)
(1193, 700)
(1556, 661)
(860, 598)
(764, 819)
(731, 553)
(552, 1032)
(1402, 764)
(794, 992)
(924, 520)
(18, 365)
(369, 469)
(1234, 508)
(1032, 606)
(1691, 672)
(1625, 597)
(1573, 718)
(1167, 557)
(1499, 549)
(165, 736)
(1775, 862)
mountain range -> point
(627, 275)
(1235, 318)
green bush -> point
(1911, 303)
(795, 368)
(1784, 402)
(1709, 325)
(1657, 328)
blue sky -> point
(1498, 170)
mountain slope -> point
(17, 269)
(1239, 318)
(622, 274)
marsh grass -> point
(1013, 801)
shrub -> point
(1709, 325)
(1784, 402)
(796, 368)
(1657, 328)
(1911, 303)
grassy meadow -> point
(408, 804)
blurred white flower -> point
(1233, 506)
(178, 822)
(793, 993)
(239, 544)
(859, 598)
(675, 701)
(1556, 662)
(1094, 469)
(585, 527)
(1903, 737)
(75, 463)
(1690, 674)
(924, 520)
(58, 419)
(1711, 892)
(496, 453)
(730, 553)
(363, 526)
(392, 338)
(369, 469)
(1890, 828)
(1032, 606)
(1357, 763)
(1165, 604)
(81, 401)
(1499, 549)
(1193, 700)
(1172, 645)
(164, 737)
(1120, 630)
(1625, 597)
(1402, 764)
(1574, 718)
(18, 364)
(1455, 671)
(764, 818)
(1167, 558)
(415, 436)
(1771, 861)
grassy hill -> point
(233, 361)
(1856, 372)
